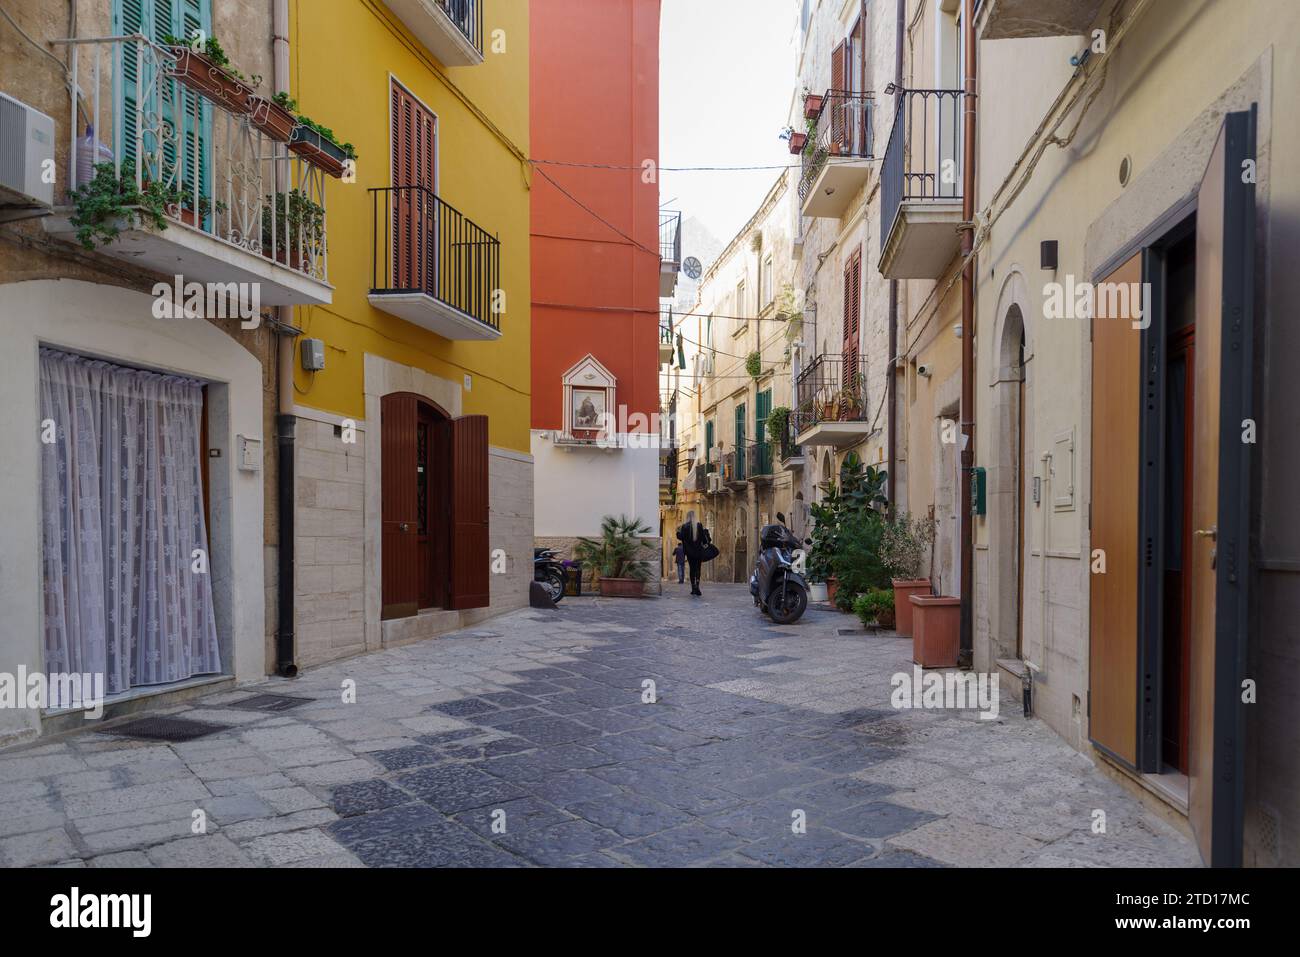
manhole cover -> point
(268, 702)
(165, 729)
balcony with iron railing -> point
(452, 30)
(921, 185)
(758, 461)
(1016, 19)
(837, 154)
(734, 472)
(831, 403)
(432, 266)
(193, 184)
(790, 451)
(670, 251)
(665, 334)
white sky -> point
(726, 75)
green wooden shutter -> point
(740, 441)
(762, 409)
(156, 19)
(708, 445)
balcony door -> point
(415, 186)
(852, 326)
(168, 113)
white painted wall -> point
(117, 324)
(576, 488)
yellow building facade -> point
(411, 389)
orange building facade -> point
(596, 264)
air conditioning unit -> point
(715, 482)
(26, 142)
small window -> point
(767, 282)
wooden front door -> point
(1219, 563)
(1113, 595)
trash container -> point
(573, 578)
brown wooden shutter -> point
(414, 137)
(852, 309)
(470, 564)
(834, 104)
(401, 585)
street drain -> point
(268, 702)
(165, 729)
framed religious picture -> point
(588, 408)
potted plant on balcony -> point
(208, 71)
(812, 105)
(903, 547)
(617, 556)
(293, 229)
(110, 203)
(778, 425)
(317, 145)
(796, 140)
(185, 209)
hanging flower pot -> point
(319, 150)
(797, 141)
(272, 119)
(812, 105)
(202, 74)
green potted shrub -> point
(875, 607)
(317, 145)
(904, 545)
(299, 228)
(618, 556)
(110, 203)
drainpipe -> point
(891, 382)
(966, 645)
(285, 423)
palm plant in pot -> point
(904, 544)
(618, 556)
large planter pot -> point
(817, 591)
(622, 588)
(196, 71)
(936, 624)
(905, 588)
(832, 586)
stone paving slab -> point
(534, 740)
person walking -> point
(697, 544)
(679, 556)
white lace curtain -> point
(122, 515)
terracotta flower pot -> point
(936, 623)
(196, 71)
(621, 588)
(812, 106)
(273, 119)
(904, 588)
(832, 586)
(797, 141)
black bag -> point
(710, 551)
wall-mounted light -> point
(1047, 254)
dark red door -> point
(398, 462)
(470, 565)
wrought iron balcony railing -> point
(422, 244)
(830, 390)
(924, 154)
(733, 467)
(758, 459)
(843, 130)
(790, 449)
(207, 168)
(467, 16)
(670, 238)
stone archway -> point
(1010, 469)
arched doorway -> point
(1012, 452)
(416, 459)
(740, 554)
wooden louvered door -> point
(415, 177)
(470, 561)
(852, 326)
(839, 82)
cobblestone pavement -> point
(539, 715)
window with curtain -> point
(122, 515)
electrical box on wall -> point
(313, 354)
(249, 454)
(978, 489)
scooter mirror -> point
(780, 517)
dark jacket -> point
(679, 555)
(693, 545)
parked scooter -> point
(777, 588)
(549, 570)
